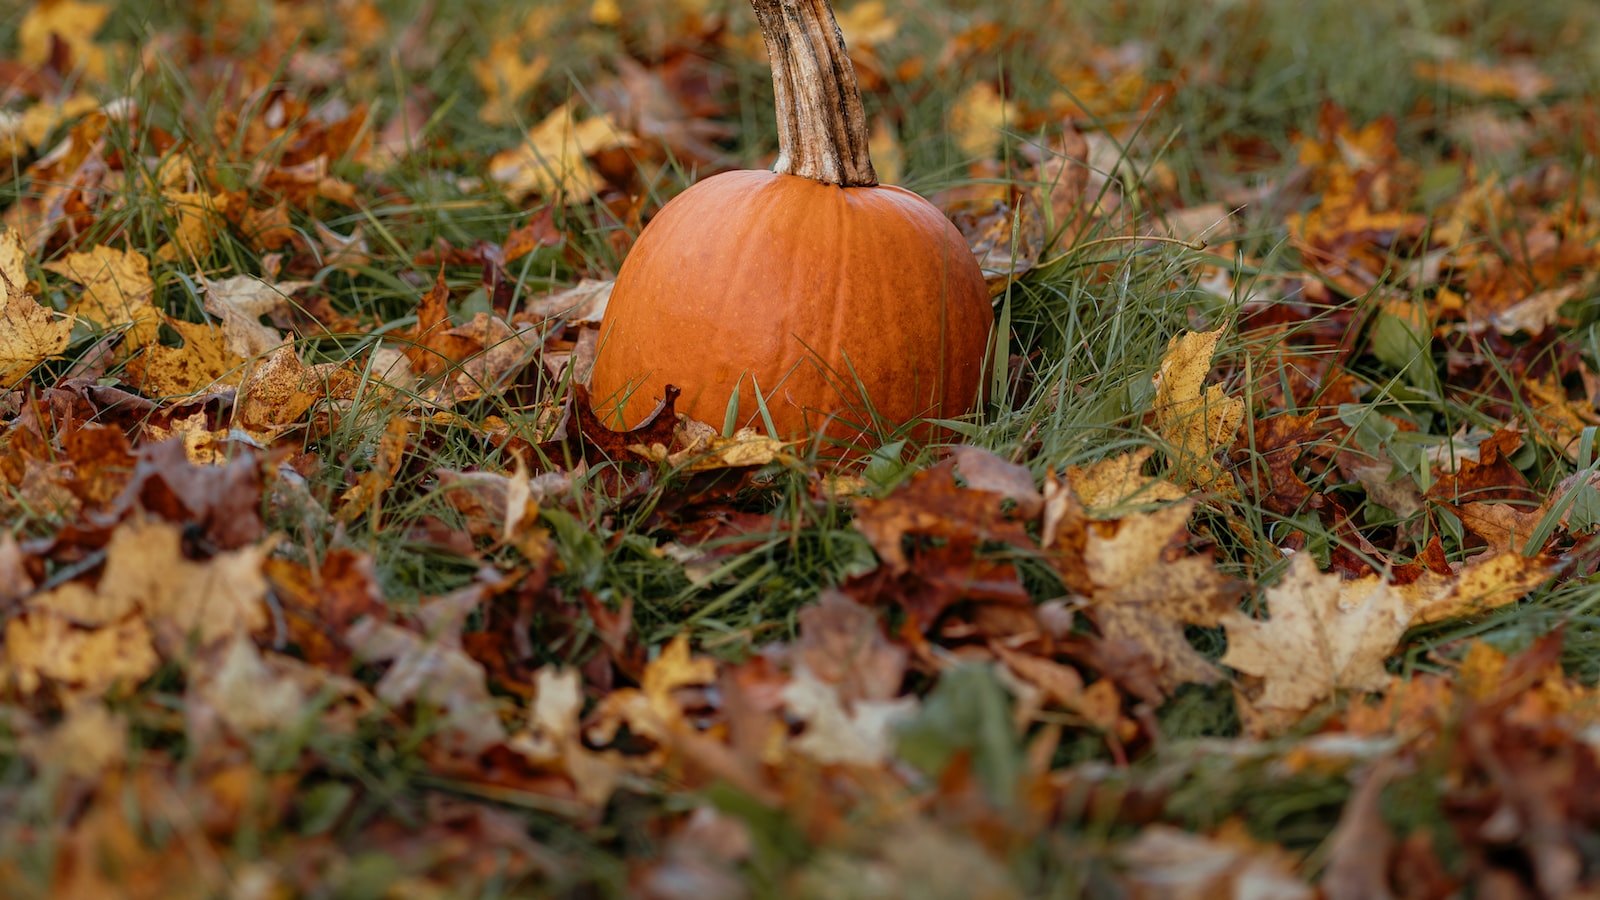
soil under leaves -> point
(321, 577)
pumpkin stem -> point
(822, 129)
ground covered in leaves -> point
(1268, 569)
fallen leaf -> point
(1145, 590)
(506, 75)
(1196, 420)
(552, 160)
(432, 669)
(1120, 480)
(240, 302)
(117, 292)
(29, 333)
(1163, 861)
(1323, 635)
(862, 735)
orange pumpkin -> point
(840, 301)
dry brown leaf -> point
(1196, 420)
(433, 669)
(281, 388)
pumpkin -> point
(842, 303)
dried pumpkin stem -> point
(822, 129)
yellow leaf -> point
(867, 24)
(117, 291)
(38, 120)
(193, 218)
(1484, 582)
(43, 646)
(605, 13)
(1120, 480)
(72, 22)
(146, 572)
(29, 333)
(551, 161)
(1195, 420)
(1144, 590)
(506, 79)
(202, 361)
(976, 120)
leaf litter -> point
(300, 590)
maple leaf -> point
(1144, 590)
(1120, 480)
(863, 734)
(1324, 634)
(506, 78)
(932, 504)
(1163, 861)
(281, 388)
(44, 647)
(74, 24)
(117, 291)
(147, 573)
(202, 361)
(842, 644)
(247, 692)
(554, 736)
(89, 740)
(551, 161)
(1484, 582)
(977, 118)
(1519, 79)
(240, 302)
(1195, 420)
(703, 449)
(29, 333)
(432, 668)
